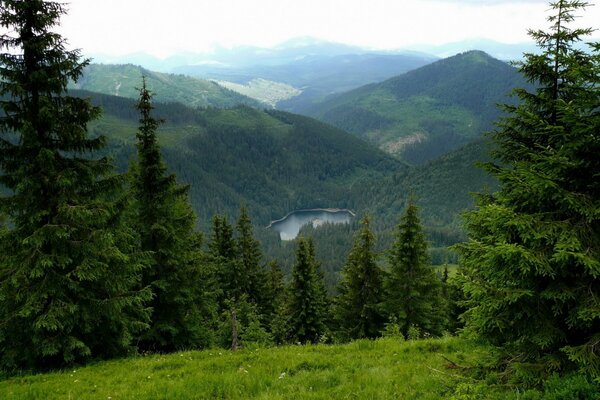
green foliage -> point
(250, 259)
(165, 223)
(357, 306)
(239, 260)
(69, 267)
(224, 260)
(274, 291)
(307, 297)
(532, 262)
(412, 289)
(240, 325)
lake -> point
(290, 225)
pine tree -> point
(165, 222)
(412, 289)
(68, 267)
(274, 290)
(222, 247)
(358, 305)
(250, 257)
(532, 262)
(307, 307)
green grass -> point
(381, 369)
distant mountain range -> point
(428, 111)
(301, 47)
(302, 72)
(315, 76)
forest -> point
(104, 255)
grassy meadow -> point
(382, 369)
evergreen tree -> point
(412, 290)
(250, 257)
(221, 241)
(358, 308)
(165, 222)
(68, 268)
(307, 307)
(532, 263)
(274, 290)
(222, 247)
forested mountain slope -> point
(275, 162)
(124, 81)
(429, 111)
(272, 161)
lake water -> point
(289, 226)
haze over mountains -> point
(301, 72)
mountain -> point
(275, 162)
(272, 161)
(123, 80)
(428, 111)
(313, 74)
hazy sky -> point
(163, 27)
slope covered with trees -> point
(124, 80)
(426, 112)
(272, 161)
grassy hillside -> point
(376, 370)
(123, 80)
(382, 369)
(429, 111)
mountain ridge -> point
(428, 111)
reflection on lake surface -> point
(289, 226)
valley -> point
(273, 162)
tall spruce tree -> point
(274, 289)
(223, 251)
(250, 257)
(307, 302)
(413, 296)
(165, 222)
(358, 305)
(68, 270)
(532, 262)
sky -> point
(165, 27)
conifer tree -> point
(412, 289)
(358, 305)
(223, 251)
(68, 268)
(532, 262)
(307, 307)
(274, 290)
(165, 222)
(250, 258)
